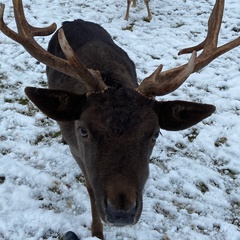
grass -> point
(202, 187)
(2, 179)
(51, 234)
(129, 27)
(46, 137)
(21, 101)
(192, 135)
(5, 151)
(228, 172)
(145, 19)
(3, 77)
(81, 179)
(220, 141)
(55, 188)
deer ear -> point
(179, 115)
(57, 104)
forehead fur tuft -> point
(123, 109)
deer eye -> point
(155, 136)
(83, 132)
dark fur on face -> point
(123, 108)
(110, 133)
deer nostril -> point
(121, 216)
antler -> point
(25, 36)
(161, 83)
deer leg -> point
(128, 8)
(134, 3)
(97, 226)
(148, 9)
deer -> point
(109, 121)
(134, 4)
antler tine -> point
(24, 27)
(161, 83)
(168, 81)
(92, 78)
(25, 37)
(214, 24)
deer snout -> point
(121, 205)
(120, 217)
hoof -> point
(70, 236)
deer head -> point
(111, 130)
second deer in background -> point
(134, 5)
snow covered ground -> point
(194, 187)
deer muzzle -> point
(120, 217)
(122, 205)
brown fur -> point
(109, 122)
(111, 133)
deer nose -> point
(121, 216)
(121, 204)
